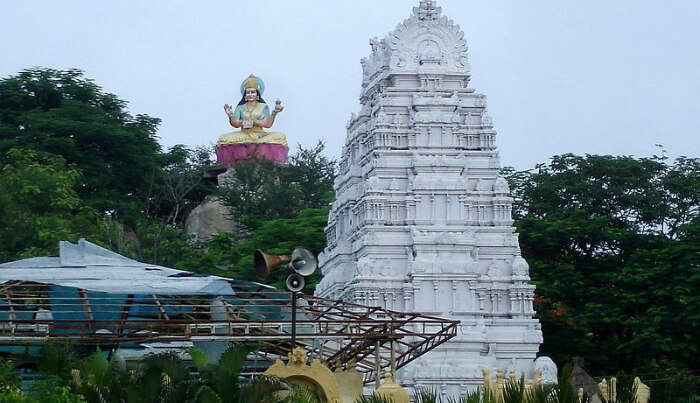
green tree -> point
(313, 173)
(276, 237)
(39, 205)
(178, 185)
(63, 113)
(280, 207)
(222, 379)
(50, 391)
(153, 240)
(15, 396)
(9, 378)
(161, 378)
(613, 249)
(265, 190)
(271, 209)
(258, 191)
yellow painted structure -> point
(392, 390)
(350, 384)
(643, 391)
(495, 389)
(316, 374)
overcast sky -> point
(595, 76)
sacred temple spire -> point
(422, 219)
(427, 10)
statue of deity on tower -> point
(252, 115)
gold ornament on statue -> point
(252, 82)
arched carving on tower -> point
(425, 39)
(407, 40)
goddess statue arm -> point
(231, 117)
(270, 120)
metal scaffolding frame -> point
(336, 332)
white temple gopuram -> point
(422, 219)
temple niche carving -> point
(422, 218)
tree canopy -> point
(265, 190)
(63, 113)
(77, 164)
(39, 205)
(614, 250)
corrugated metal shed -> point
(88, 266)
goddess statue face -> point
(251, 95)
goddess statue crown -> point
(252, 82)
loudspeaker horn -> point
(295, 282)
(264, 263)
(303, 262)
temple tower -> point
(422, 218)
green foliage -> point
(76, 164)
(279, 236)
(9, 378)
(100, 379)
(261, 190)
(563, 391)
(178, 185)
(15, 396)
(299, 393)
(39, 204)
(153, 241)
(51, 391)
(265, 190)
(374, 399)
(63, 113)
(205, 394)
(424, 395)
(222, 379)
(56, 360)
(282, 207)
(683, 387)
(625, 391)
(613, 248)
(613, 242)
(221, 382)
(514, 391)
(313, 174)
(162, 378)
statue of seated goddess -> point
(252, 115)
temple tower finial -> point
(427, 10)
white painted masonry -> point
(422, 220)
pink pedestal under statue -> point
(233, 153)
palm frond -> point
(374, 399)
(426, 395)
(205, 394)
